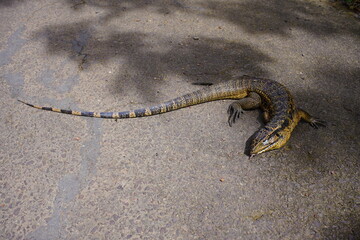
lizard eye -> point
(279, 135)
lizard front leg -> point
(313, 121)
(252, 101)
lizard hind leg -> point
(313, 121)
(235, 109)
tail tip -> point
(25, 103)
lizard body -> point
(280, 113)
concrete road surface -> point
(184, 174)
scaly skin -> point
(275, 100)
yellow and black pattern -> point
(212, 93)
(276, 101)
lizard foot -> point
(313, 121)
(316, 123)
(234, 112)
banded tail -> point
(227, 90)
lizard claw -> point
(316, 123)
(234, 111)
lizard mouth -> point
(267, 148)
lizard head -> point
(265, 140)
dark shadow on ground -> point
(344, 82)
(204, 60)
(9, 3)
(279, 17)
(256, 17)
(351, 231)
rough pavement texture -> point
(181, 175)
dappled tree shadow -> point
(277, 17)
(203, 60)
(9, 3)
(256, 17)
(114, 8)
